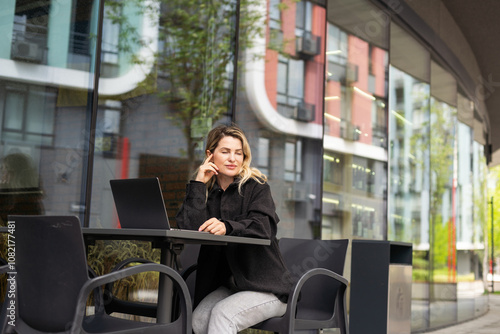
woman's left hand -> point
(214, 226)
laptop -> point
(139, 203)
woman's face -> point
(228, 156)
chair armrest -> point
(293, 298)
(98, 300)
(123, 264)
(91, 284)
(114, 304)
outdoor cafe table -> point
(171, 242)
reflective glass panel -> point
(45, 114)
(409, 159)
(279, 103)
(443, 293)
(355, 116)
(166, 81)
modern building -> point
(372, 118)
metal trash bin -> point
(380, 295)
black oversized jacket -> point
(251, 214)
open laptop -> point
(139, 203)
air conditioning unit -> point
(308, 45)
(304, 112)
(26, 51)
(298, 192)
(349, 131)
(351, 73)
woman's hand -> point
(207, 170)
(214, 226)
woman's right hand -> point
(207, 170)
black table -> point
(171, 242)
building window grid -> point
(290, 85)
(275, 14)
(29, 115)
(293, 161)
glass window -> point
(303, 16)
(284, 104)
(355, 116)
(408, 135)
(263, 155)
(300, 14)
(290, 85)
(156, 127)
(293, 165)
(333, 167)
(442, 207)
(80, 43)
(46, 116)
(275, 14)
(443, 186)
(110, 36)
(29, 114)
(410, 163)
(336, 45)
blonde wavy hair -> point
(246, 172)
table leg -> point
(165, 287)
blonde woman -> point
(237, 286)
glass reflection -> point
(279, 107)
(355, 119)
(43, 113)
(408, 216)
(443, 293)
(45, 107)
(170, 75)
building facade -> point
(364, 128)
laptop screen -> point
(139, 203)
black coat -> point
(251, 214)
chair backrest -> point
(51, 269)
(188, 260)
(301, 255)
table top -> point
(173, 235)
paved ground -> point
(487, 324)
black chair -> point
(186, 264)
(53, 284)
(317, 300)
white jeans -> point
(222, 312)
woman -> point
(237, 286)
